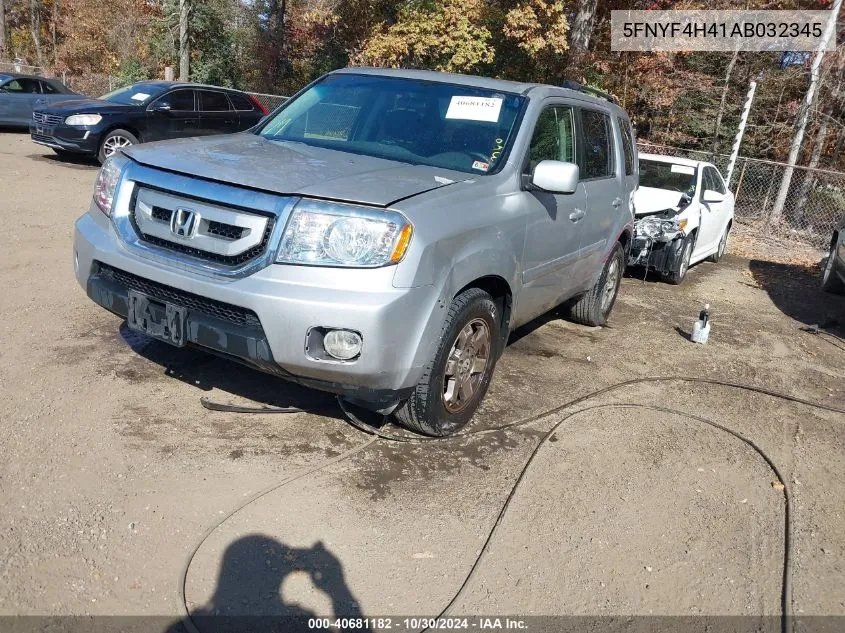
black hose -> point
(786, 592)
(786, 583)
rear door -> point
(173, 115)
(18, 97)
(248, 113)
(552, 237)
(603, 181)
(216, 113)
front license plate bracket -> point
(159, 320)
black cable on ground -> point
(786, 583)
(786, 602)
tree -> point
(184, 40)
(2, 27)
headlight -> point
(328, 234)
(107, 181)
(83, 119)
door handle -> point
(576, 215)
(616, 203)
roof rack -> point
(574, 85)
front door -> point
(551, 266)
(602, 181)
(712, 213)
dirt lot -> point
(112, 471)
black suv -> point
(145, 111)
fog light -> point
(342, 344)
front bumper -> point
(83, 140)
(286, 303)
(656, 255)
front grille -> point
(211, 307)
(47, 119)
(229, 231)
(228, 260)
(162, 214)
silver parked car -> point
(378, 236)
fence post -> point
(739, 182)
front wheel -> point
(113, 142)
(723, 244)
(455, 381)
(677, 276)
(594, 307)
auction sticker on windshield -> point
(683, 169)
(140, 96)
(474, 108)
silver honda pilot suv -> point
(378, 236)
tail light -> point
(258, 104)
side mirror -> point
(713, 197)
(556, 176)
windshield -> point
(660, 175)
(136, 94)
(417, 122)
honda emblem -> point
(183, 222)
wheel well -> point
(500, 290)
(625, 240)
(128, 128)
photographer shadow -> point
(248, 596)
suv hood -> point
(82, 105)
(294, 168)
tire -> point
(677, 276)
(830, 280)
(115, 140)
(437, 407)
(594, 307)
(723, 244)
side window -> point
(627, 145)
(213, 101)
(554, 137)
(22, 86)
(241, 102)
(48, 89)
(598, 145)
(179, 100)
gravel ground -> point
(112, 472)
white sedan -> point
(684, 213)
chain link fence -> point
(815, 204)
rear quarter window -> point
(240, 102)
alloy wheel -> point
(466, 365)
(610, 284)
(114, 144)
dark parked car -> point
(145, 111)
(833, 278)
(21, 94)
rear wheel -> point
(456, 379)
(113, 142)
(594, 307)
(830, 280)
